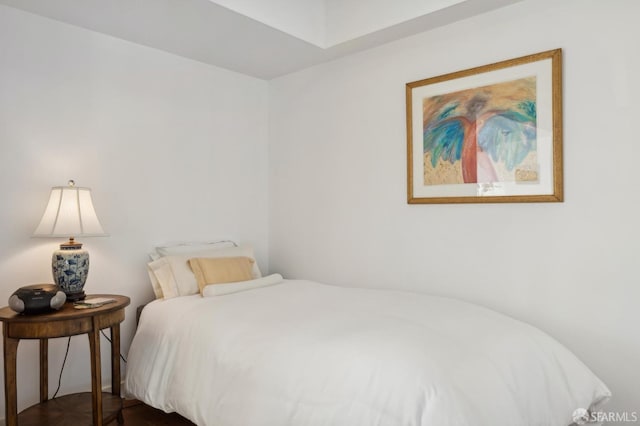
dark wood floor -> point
(137, 414)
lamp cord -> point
(62, 369)
(64, 361)
(109, 340)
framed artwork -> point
(490, 134)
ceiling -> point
(253, 39)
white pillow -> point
(188, 247)
(152, 268)
(175, 277)
(228, 288)
(162, 279)
(191, 247)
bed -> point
(275, 352)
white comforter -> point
(301, 353)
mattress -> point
(302, 353)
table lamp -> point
(70, 213)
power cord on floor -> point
(64, 361)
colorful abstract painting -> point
(487, 134)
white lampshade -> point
(69, 213)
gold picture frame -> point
(490, 134)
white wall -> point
(338, 209)
(173, 150)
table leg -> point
(96, 375)
(10, 399)
(115, 365)
(115, 359)
(44, 370)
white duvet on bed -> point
(302, 353)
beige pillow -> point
(218, 270)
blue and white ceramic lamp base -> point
(70, 267)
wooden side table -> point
(95, 407)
